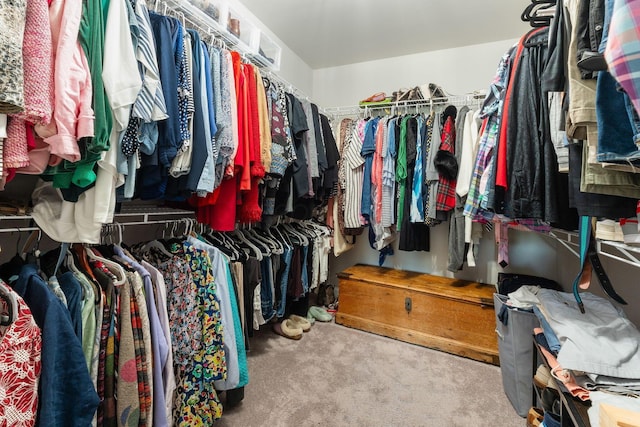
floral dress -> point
(20, 364)
(196, 335)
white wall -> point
(458, 71)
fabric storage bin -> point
(514, 328)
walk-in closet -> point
(253, 213)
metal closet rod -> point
(112, 224)
(448, 100)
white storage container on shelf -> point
(241, 29)
(215, 10)
(267, 52)
(207, 13)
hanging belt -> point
(589, 261)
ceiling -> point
(328, 33)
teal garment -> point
(401, 171)
(237, 325)
(88, 317)
(237, 358)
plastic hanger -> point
(257, 252)
(276, 245)
(283, 238)
(302, 238)
(257, 238)
(12, 307)
(112, 266)
(156, 244)
(530, 13)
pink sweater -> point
(72, 116)
(38, 83)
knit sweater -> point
(12, 22)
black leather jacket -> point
(532, 165)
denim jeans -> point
(552, 339)
(266, 289)
(617, 131)
(305, 270)
(284, 281)
(608, 11)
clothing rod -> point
(448, 100)
(18, 229)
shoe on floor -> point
(535, 417)
(300, 322)
(543, 379)
(320, 314)
(287, 329)
(311, 319)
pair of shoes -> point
(288, 329)
(320, 314)
(433, 91)
(400, 95)
(376, 97)
(301, 322)
(535, 417)
(543, 378)
(547, 388)
(311, 319)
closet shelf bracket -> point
(606, 248)
(616, 251)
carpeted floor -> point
(337, 376)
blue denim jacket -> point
(66, 396)
(368, 149)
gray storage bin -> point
(515, 347)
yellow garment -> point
(265, 126)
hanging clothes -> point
(20, 337)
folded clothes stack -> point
(610, 230)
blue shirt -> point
(368, 149)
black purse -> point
(511, 282)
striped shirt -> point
(150, 104)
(389, 174)
(354, 175)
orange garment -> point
(265, 122)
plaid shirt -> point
(485, 159)
(447, 187)
(623, 48)
(484, 164)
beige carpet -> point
(337, 376)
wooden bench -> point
(451, 315)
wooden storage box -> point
(451, 315)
